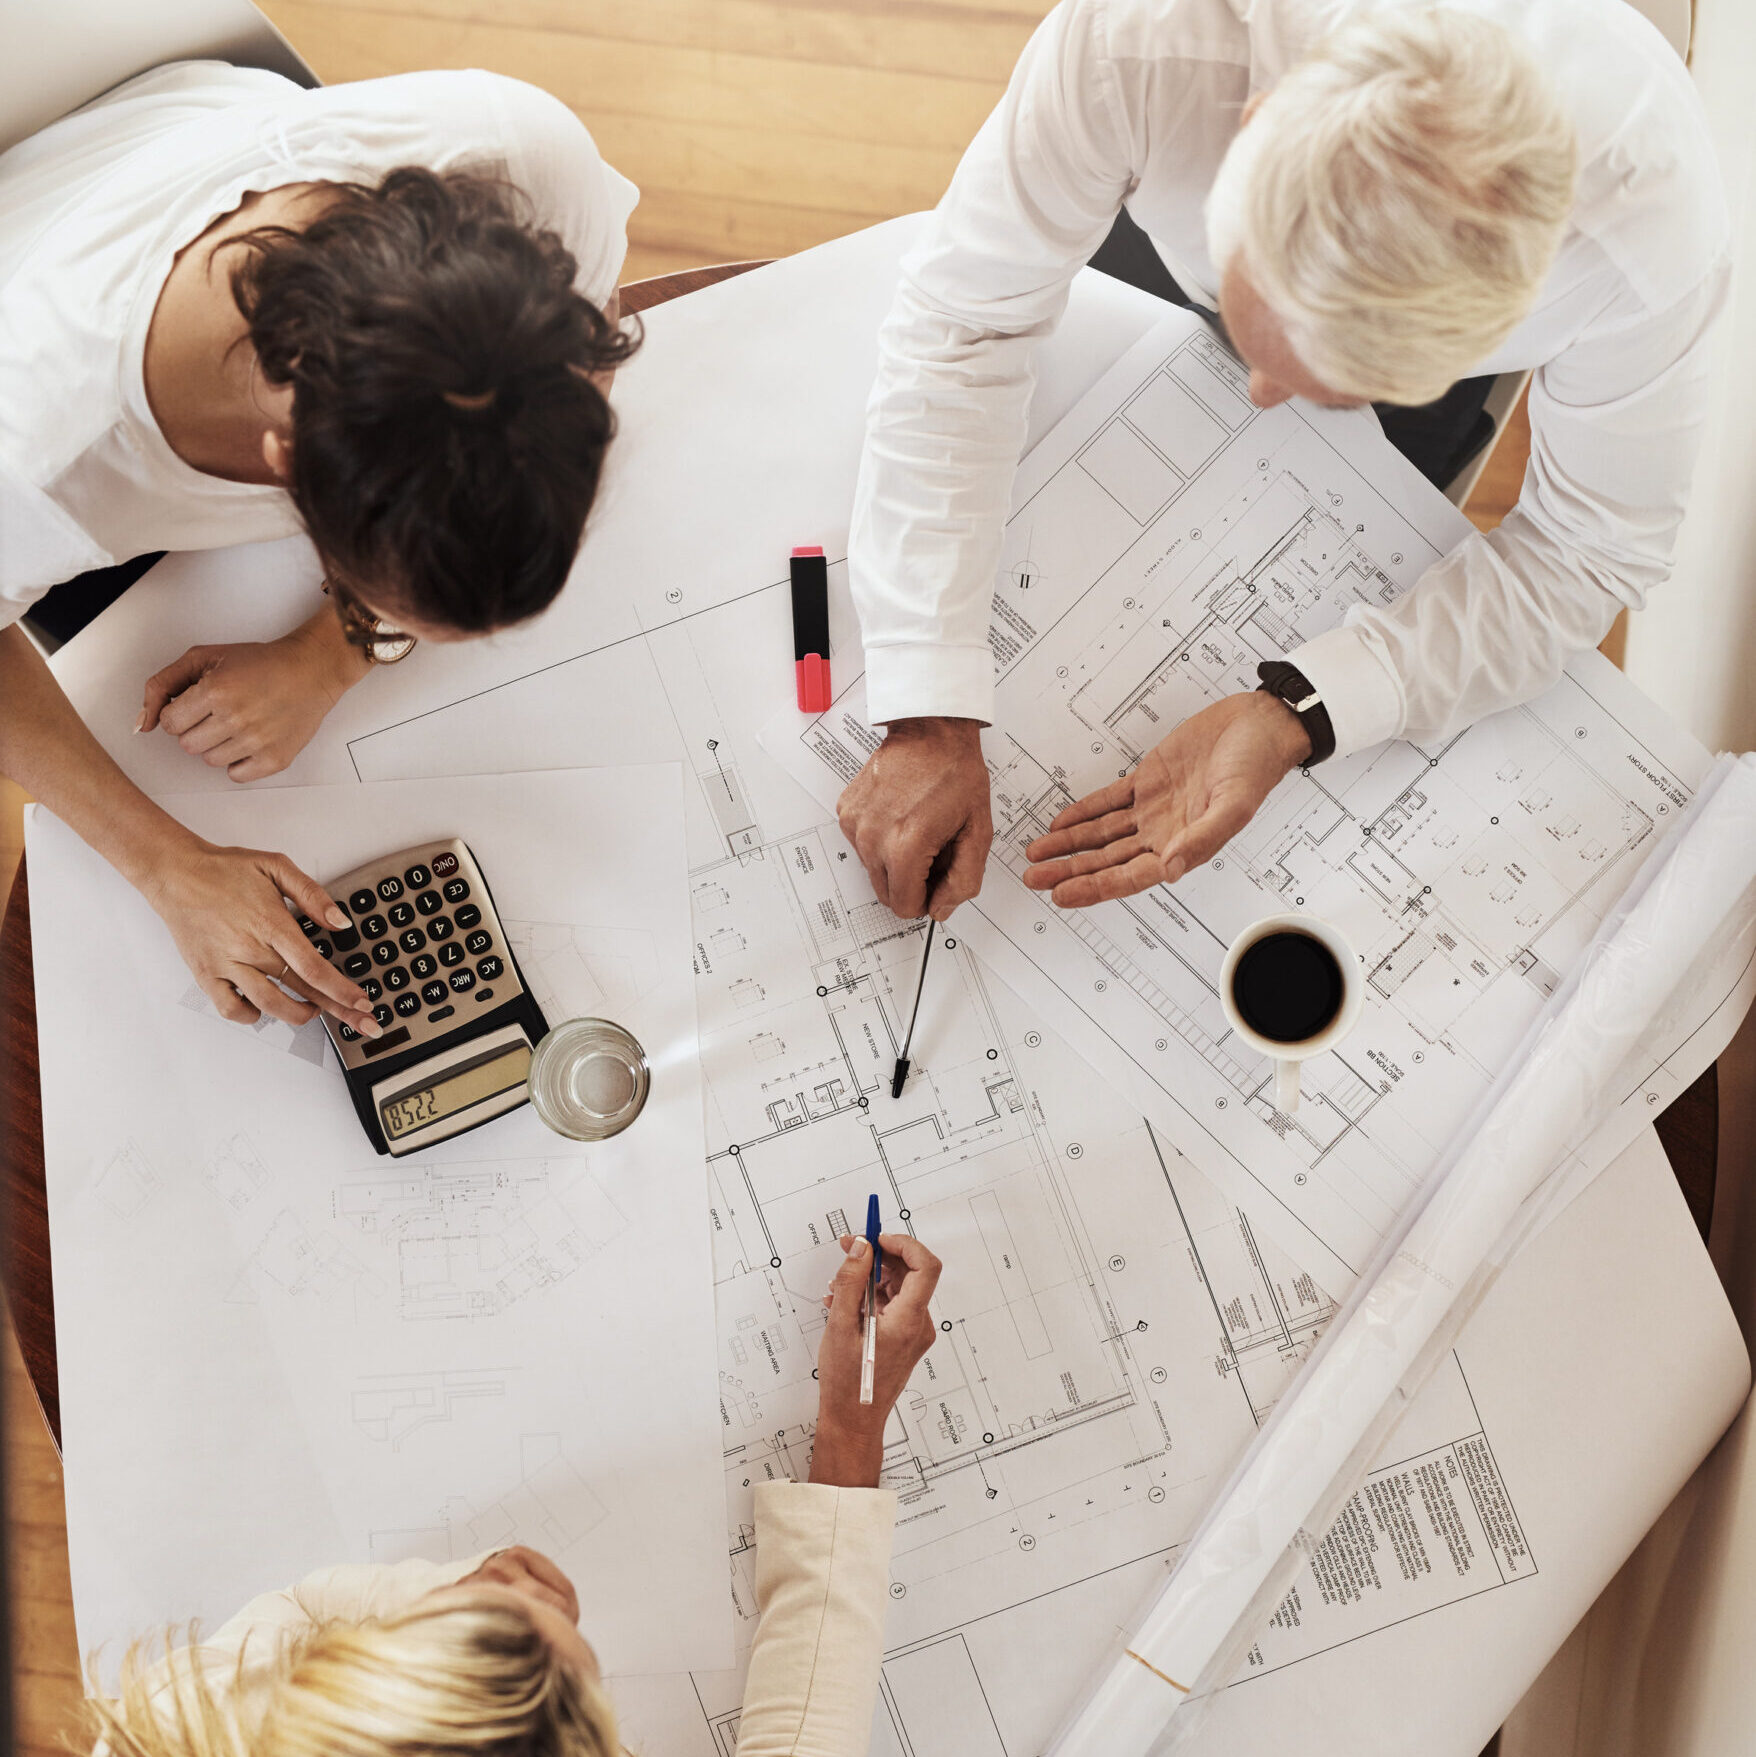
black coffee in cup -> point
(1287, 986)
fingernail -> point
(371, 1028)
(140, 724)
(336, 916)
(857, 1248)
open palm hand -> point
(1190, 794)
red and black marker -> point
(811, 630)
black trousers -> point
(64, 610)
(1438, 438)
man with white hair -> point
(1377, 199)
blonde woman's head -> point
(472, 1670)
(1390, 208)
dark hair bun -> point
(447, 437)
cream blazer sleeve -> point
(822, 1568)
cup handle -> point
(1286, 1087)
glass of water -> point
(589, 1079)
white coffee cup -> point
(1287, 1056)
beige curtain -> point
(1665, 1663)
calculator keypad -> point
(420, 943)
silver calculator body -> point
(427, 945)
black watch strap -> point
(1294, 688)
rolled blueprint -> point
(1409, 1304)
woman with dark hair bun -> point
(381, 314)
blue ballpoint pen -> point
(869, 1354)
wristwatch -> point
(366, 633)
(1294, 688)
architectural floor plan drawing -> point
(1111, 1329)
(1166, 538)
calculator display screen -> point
(422, 1105)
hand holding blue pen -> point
(879, 1323)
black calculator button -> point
(382, 1014)
(390, 889)
(439, 928)
(373, 988)
(408, 1005)
(443, 1013)
(456, 890)
(484, 994)
(424, 967)
(489, 968)
(451, 953)
(401, 915)
(468, 915)
(413, 940)
(374, 927)
(384, 952)
(429, 903)
(345, 939)
(444, 865)
(463, 980)
(479, 941)
(433, 993)
(395, 979)
(323, 949)
(358, 964)
(308, 927)
(417, 878)
(348, 1034)
(362, 902)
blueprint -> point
(1165, 538)
(279, 1349)
(1114, 1321)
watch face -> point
(389, 648)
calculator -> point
(427, 945)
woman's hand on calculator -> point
(225, 911)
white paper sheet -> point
(1132, 592)
(279, 1350)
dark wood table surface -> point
(1689, 1129)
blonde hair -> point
(463, 1677)
(1398, 198)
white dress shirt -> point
(1135, 101)
(95, 207)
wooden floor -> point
(754, 128)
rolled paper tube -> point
(1555, 1089)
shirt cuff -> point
(1361, 692)
(909, 682)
